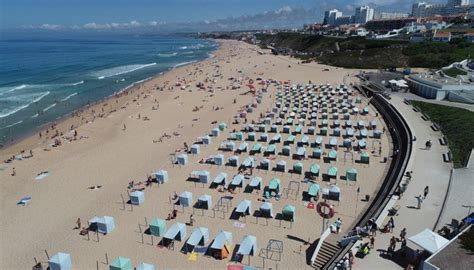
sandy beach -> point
(132, 135)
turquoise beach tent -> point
(121, 263)
(351, 174)
(248, 245)
(60, 261)
(288, 212)
(313, 190)
(157, 227)
(244, 207)
(145, 266)
(314, 169)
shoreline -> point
(14, 143)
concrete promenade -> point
(429, 169)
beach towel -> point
(193, 257)
(239, 225)
(42, 175)
(200, 249)
(24, 201)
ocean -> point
(45, 76)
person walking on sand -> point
(392, 224)
(13, 171)
(403, 234)
(425, 192)
(393, 244)
(338, 225)
(191, 220)
(419, 200)
(78, 223)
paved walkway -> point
(438, 102)
(460, 193)
(429, 169)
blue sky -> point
(17, 13)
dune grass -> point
(457, 125)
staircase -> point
(325, 254)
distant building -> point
(331, 16)
(388, 24)
(363, 14)
(434, 86)
(344, 20)
(392, 15)
(424, 9)
(442, 36)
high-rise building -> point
(331, 16)
(453, 7)
(363, 14)
(392, 15)
(454, 3)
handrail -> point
(323, 237)
(402, 143)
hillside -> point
(357, 52)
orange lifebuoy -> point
(321, 209)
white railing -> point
(324, 235)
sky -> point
(55, 14)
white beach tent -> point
(429, 240)
(248, 245)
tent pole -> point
(107, 258)
(47, 255)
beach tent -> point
(332, 171)
(351, 174)
(429, 240)
(265, 164)
(256, 182)
(176, 232)
(349, 132)
(216, 132)
(274, 129)
(360, 124)
(286, 150)
(248, 162)
(347, 142)
(121, 263)
(161, 176)
(182, 159)
(271, 150)
(239, 136)
(311, 130)
(298, 168)
(238, 180)
(334, 193)
(288, 212)
(348, 123)
(319, 140)
(206, 140)
(264, 137)
(313, 190)
(377, 134)
(243, 147)
(157, 227)
(336, 132)
(219, 159)
(362, 144)
(290, 139)
(60, 261)
(314, 169)
(300, 152)
(234, 161)
(317, 152)
(186, 199)
(251, 136)
(248, 245)
(262, 128)
(204, 202)
(220, 247)
(363, 133)
(221, 179)
(257, 148)
(323, 131)
(274, 185)
(332, 154)
(222, 126)
(244, 207)
(298, 129)
(364, 157)
(266, 210)
(333, 141)
(105, 224)
(230, 146)
(145, 266)
(304, 140)
(199, 237)
(281, 165)
(137, 197)
(276, 138)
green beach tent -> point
(157, 227)
(332, 154)
(351, 174)
(251, 136)
(121, 263)
(313, 190)
(332, 171)
(315, 169)
(298, 168)
(317, 153)
(288, 212)
(364, 157)
(222, 126)
(274, 184)
(286, 150)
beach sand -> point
(111, 156)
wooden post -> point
(97, 234)
(97, 265)
(107, 258)
(123, 201)
(47, 255)
(146, 222)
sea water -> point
(44, 76)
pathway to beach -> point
(130, 136)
